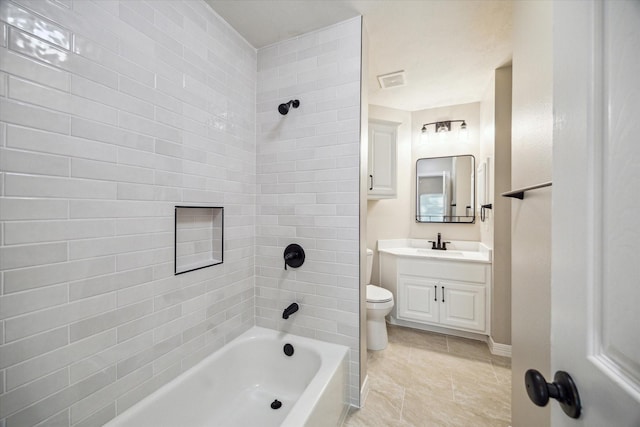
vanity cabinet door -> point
(418, 299)
(462, 306)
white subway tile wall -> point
(111, 113)
(308, 186)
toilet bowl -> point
(379, 304)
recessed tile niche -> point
(199, 235)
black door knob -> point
(563, 389)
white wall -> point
(532, 133)
(395, 218)
(117, 113)
(496, 230)
(487, 150)
(444, 144)
(501, 212)
(389, 218)
(309, 186)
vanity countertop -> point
(457, 250)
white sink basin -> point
(446, 253)
(457, 250)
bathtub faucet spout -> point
(290, 310)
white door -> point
(595, 327)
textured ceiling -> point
(448, 48)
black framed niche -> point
(199, 237)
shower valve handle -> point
(293, 256)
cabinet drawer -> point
(447, 270)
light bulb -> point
(423, 134)
(463, 134)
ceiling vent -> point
(395, 79)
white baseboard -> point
(438, 329)
(499, 349)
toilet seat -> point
(376, 294)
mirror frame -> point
(470, 219)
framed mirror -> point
(445, 189)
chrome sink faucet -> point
(439, 245)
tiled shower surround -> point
(308, 186)
(111, 114)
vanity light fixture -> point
(445, 126)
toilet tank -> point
(369, 264)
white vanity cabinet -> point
(438, 293)
(382, 165)
(442, 302)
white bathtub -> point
(236, 385)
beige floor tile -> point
(405, 375)
(386, 393)
(432, 380)
(364, 418)
(485, 399)
(394, 350)
(417, 338)
(430, 357)
(503, 374)
(382, 407)
(422, 410)
(470, 371)
(469, 348)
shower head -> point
(284, 108)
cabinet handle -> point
(371, 178)
(435, 293)
(443, 294)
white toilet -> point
(379, 304)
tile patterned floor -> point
(425, 379)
